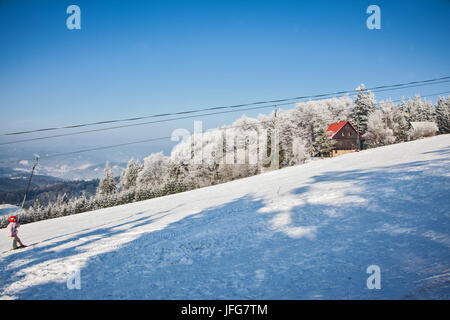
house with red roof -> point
(347, 137)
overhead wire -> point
(378, 88)
(161, 138)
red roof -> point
(337, 126)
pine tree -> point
(364, 106)
(420, 110)
(443, 115)
(402, 125)
(322, 144)
(107, 185)
(80, 204)
(36, 211)
(128, 178)
(314, 120)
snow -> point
(304, 232)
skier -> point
(12, 230)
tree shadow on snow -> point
(396, 217)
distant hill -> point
(20, 182)
(7, 209)
(43, 188)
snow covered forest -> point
(251, 146)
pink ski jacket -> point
(12, 228)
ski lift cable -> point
(398, 85)
(158, 138)
(185, 117)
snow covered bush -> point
(422, 129)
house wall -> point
(346, 138)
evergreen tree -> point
(128, 178)
(322, 144)
(314, 120)
(107, 185)
(402, 126)
(36, 211)
(364, 106)
(443, 115)
(80, 204)
(420, 110)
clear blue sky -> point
(136, 58)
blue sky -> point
(137, 58)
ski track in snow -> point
(304, 232)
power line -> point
(396, 100)
(200, 115)
(380, 88)
(160, 138)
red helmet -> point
(12, 218)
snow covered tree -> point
(443, 115)
(61, 205)
(339, 109)
(268, 141)
(299, 152)
(292, 146)
(324, 143)
(395, 119)
(36, 211)
(241, 146)
(80, 204)
(128, 178)
(378, 133)
(195, 159)
(401, 125)
(420, 110)
(107, 185)
(313, 119)
(364, 106)
(155, 171)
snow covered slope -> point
(305, 232)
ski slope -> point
(304, 232)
